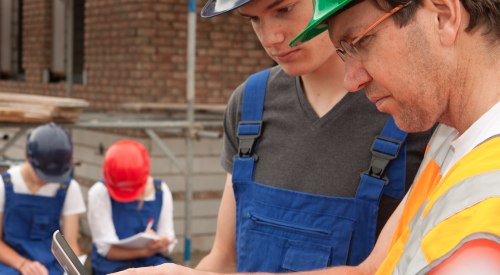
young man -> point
(37, 198)
(308, 207)
(122, 205)
(306, 193)
(434, 60)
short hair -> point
(484, 14)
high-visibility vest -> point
(441, 215)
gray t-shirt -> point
(300, 151)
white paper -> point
(82, 258)
(137, 241)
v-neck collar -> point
(316, 121)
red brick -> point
(136, 50)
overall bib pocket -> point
(303, 240)
(305, 256)
(39, 227)
(319, 232)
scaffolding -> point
(151, 125)
(189, 124)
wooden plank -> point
(175, 106)
(26, 108)
(44, 100)
(5, 112)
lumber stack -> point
(39, 109)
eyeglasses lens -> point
(341, 54)
(350, 50)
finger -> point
(30, 270)
(45, 270)
(39, 269)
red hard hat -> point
(126, 170)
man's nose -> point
(356, 77)
(272, 34)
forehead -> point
(352, 22)
(260, 6)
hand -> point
(155, 245)
(150, 232)
(33, 268)
(162, 270)
(167, 241)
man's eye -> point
(252, 18)
(364, 41)
(286, 9)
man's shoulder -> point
(98, 189)
(277, 76)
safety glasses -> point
(350, 49)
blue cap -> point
(217, 7)
(49, 151)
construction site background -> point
(135, 51)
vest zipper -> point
(269, 222)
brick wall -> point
(37, 39)
(135, 50)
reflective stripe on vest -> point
(457, 209)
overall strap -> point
(64, 186)
(7, 182)
(6, 178)
(387, 171)
(157, 184)
(63, 191)
(250, 126)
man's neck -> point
(324, 87)
(477, 95)
(32, 181)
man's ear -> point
(448, 19)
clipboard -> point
(65, 256)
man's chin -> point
(413, 126)
(293, 68)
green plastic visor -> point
(322, 10)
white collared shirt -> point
(485, 127)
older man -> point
(432, 61)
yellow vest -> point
(441, 215)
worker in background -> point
(432, 61)
(36, 199)
(123, 204)
(303, 189)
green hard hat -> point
(322, 10)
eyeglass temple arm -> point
(379, 21)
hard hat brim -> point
(52, 178)
(322, 10)
(122, 196)
(217, 7)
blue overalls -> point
(128, 221)
(29, 222)
(280, 230)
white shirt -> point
(485, 127)
(73, 204)
(100, 217)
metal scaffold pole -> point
(190, 94)
(69, 47)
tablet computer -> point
(65, 256)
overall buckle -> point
(380, 161)
(247, 142)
